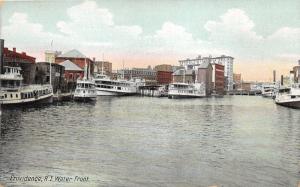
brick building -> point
(20, 59)
(226, 61)
(164, 77)
(72, 72)
(163, 67)
(204, 75)
(76, 58)
(145, 73)
(218, 80)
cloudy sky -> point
(260, 35)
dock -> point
(59, 97)
(152, 91)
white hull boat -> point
(184, 90)
(85, 88)
(13, 92)
(289, 97)
(107, 87)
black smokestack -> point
(1, 55)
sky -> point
(262, 36)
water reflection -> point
(141, 141)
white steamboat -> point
(13, 92)
(289, 97)
(185, 90)
(108, 87)
(85, 88)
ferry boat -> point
(289, 97)
(106, 86)
(185, 90)
(13, 92)
(268, 90)
(85, 88)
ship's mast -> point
(102, 64)
(50, 72)
(123, 70)
(89, 70)
(1, 67)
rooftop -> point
(74, 53)
(70, 66)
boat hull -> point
(113, 93)
(46, 99)
(85, 99)
(184, 96)
(290, 104)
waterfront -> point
(143, 141)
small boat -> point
(289, 97)
(85, 88)
(13, 92)
(186, 90)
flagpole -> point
(50, 62)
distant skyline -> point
(262, 36)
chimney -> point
(1, 55)
(14, 49)
(299, 62)
(274, 76)
(281, 81)
(23, 53)
(94, 59)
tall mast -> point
(89, 70)
(50, 72)
(123, 69)
(102, 64)
(85, 69)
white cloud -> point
(235, 31)
(92, 29)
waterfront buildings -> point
(163, 73)
(226, 61)
(25, 62)
(103, 65)
(145, 73)
(296, 70)
(72, 71)
(204, 75)
(77, 58)
(164, 77)
(184, 76)
(51, 55)
(237, 79)
(42, 75)
(164, 67)
(218, 78)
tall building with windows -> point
(145, 73)
(226, 61)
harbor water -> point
(144, 141)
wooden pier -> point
(59, 97)
(153, 91)
(245, 92)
